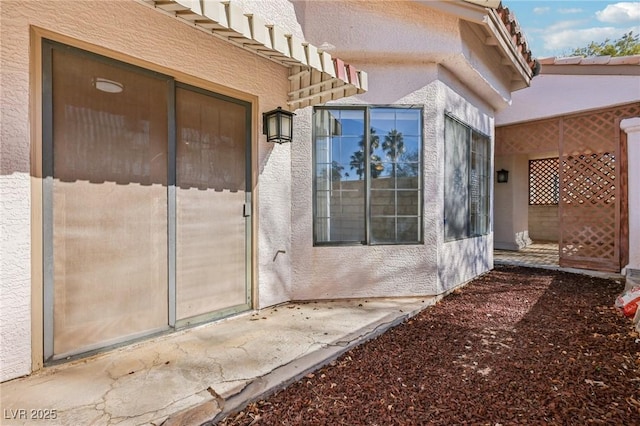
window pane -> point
(456, 208)
(408, 203)
(409, 229)
(383, 203)
(383, 229)
(408, 121)
(407, 182)
(348, 157)
(479, 184)
(323, 177)
(340, 176)
(322, 150)
(382, 120)
(411, 151)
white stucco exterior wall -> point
(157, 41)
(511, 218)
(399, 45)
(551, 95)
(364, 271)
(460, 261)
(15, 277)
(280, 13)
(631, 126)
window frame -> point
(367, 219)
(470, 230)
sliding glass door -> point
(146, 195)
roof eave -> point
(510, 52)
(484, 14)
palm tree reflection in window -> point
(395, 151)
(404, 164)
(393, 147)
(358, 159)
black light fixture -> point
(278, 125)
(503, 176)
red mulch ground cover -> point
(515, 346)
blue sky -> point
(555, 28)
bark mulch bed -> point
(515, 346)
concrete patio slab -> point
(543, 255)
(191, 376)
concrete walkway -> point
(195, 375)
(543, 255)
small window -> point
(367, 169)
(544, 186)
(467, 172)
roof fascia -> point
(612, 70)
(482, 12)
(493, 22)
(485, 3)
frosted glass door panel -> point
(109, 203)
(210, 196)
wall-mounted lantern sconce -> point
(503, 176)
(278, 125)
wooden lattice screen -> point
(544, 183)
(590, 180)
(590, 189)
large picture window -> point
(368, 168)
(467, 172)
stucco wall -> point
(391, 270)
(366, 271)
(384, 32)
(137, 31)
(511, 201)
(460, 261)
(553, 95)
(394, 32)
(398, 44)
(632, 127)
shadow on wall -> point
(463, 260)
(99, 146)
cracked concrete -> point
(195, 375)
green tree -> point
(628, 44)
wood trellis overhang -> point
(314, 75)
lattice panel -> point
(594, 133)
(588, 238)
(543, 182)
(528, 138)
(590, 190)
(589, 178)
